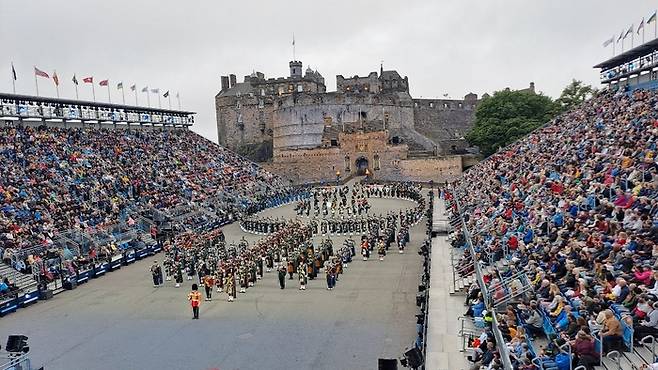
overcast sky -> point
(452, 47)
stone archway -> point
(361, 165)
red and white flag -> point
(40, 73)
(55, 78)
(104, 82)
(88, 80)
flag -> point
(652, 17)
(13, 71)
(88, 80)
(609, 41)
(155, 91)
(55, 78)
(133, 87)
(293, 39)
(40, 73)
(630, 30)
(75, 80)
(621, 36)
(641, 26)
(120, 86)
(166, 94)
(103, 83)
(146, 89)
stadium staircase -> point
(22, 281)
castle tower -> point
(295, 69)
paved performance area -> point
(121, 322)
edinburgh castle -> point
(368, 125)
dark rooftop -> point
(629, 55)
(42, 99)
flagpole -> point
(93, 90)
(123, 95)
(13, 81)
(613, 46)
(159, 105)
(109, 99)
(56, 83)
(136, 104)
(36, 82)
(76, 92)
(169, 97)
(178, 97)
(148, 98)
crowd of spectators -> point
(56, 179)
(570, 210)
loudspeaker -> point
(420, 299)
(414, 357)
(70, 284)
(46, 294)
(16, 343)
(387, 364)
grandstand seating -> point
(566, 219)
(95, 197)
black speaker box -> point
(414, 357)
(15, 343)
(387, 364)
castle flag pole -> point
(13, 78)
(36, 82)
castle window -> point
(445, 105)
(300, 88)
(364, 115)
(431, 104)
(416, 104)
(347, 163)
(291, 87)
(460, 105)
(376, 165)
(334, 142)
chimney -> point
(225, 83)
(233, 80)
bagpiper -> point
(302, 278)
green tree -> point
(574, 94)
(507, 116)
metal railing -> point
(15, 362)
(502, 348)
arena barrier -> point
(13, 302)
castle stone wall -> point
(445, 122)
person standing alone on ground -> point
(282, 276)
(195, 299)
(156, 272)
